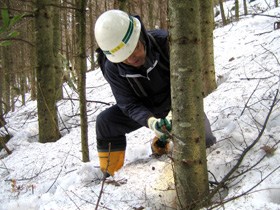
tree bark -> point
(141, 8)
(91, 32)
(11, 78)
(67, 74)
(82, 67)
(32, 55)
(189, 153)
(223, 12)
(56, 51)
(22, 77)
(122, 5)
(2, 121)
(207, 25)
(3, 141)
(46, 100)
(73, 47)
(163, 11)
(245, 7)
(151, 14)
(236, 10)
(7, 65)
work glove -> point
(169, 118)
(160, 126)
(160, 146)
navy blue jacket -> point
(154, 79)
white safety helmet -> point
(117, 34)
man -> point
(138, 72)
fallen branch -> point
(253, 166)
(272, 54)
(59, 171)
(246, 192)
(87, 200)
(239, 161)
(100, 102)
(272, 16)
(104, 178)
(246, 104)
(5, 167)
(30, 178)
(69, 197)
(3, 143)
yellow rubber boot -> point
(115, 162)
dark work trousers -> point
(112, 125)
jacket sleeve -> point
(127, 100)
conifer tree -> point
(189, 153)
(46, 91)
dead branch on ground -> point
(229, 176)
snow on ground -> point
(52, 176)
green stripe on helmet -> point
(129, 30)
(107, 52)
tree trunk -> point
(141, 8)
(32, 56)
(2, 121)
(7, 65)
(223, 12)
(91, 35)
(72, 45)
(3, 141)
(131, 7)
(276, 3)
(189, 153)
(46, 100)
(208, 67)
(22, 77)
(82, 67)
(122, 5)
(245, 7)
(162, 9)
(67, 74)
(12, 69)
(56, 51)
(236, 10)
(106, 5)
(116, 3)
(6, 62)
(151, 13)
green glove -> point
(159, 126)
